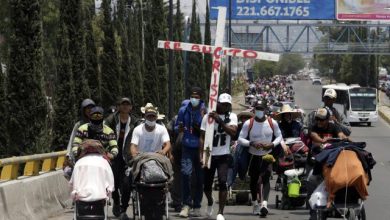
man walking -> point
(123, 124)
(225, 128)
(257, 134)
(188, 123)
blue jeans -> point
(190, 165)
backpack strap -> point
(271, 124)
(251, 121)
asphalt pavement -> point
(377, 137)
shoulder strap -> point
(271, 124)
(251, 121)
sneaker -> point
(256, 207)
(220, 217)
(210, 209)
(123, 216)
(184, 211)
(116, 210)
(196, 212)
(263, 209)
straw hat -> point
(151, 106)
(287, 109)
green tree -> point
(178, 68)
(155, 59)
(92, 72)
(348, 68)
(50, 21)
(196, 76)
(25, 94)
(73, 10)
(3, 109)
(125, 80)
(64, 97)
(134, 37)
(109, 60)
(202, 73)
(264, 68)
(290, 64)
(207, 58)
(4, 30)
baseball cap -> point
(124, 100)
(225, 98)
(97, 113)
(322, 113)
(260, 104)
(331, 93)
(196, 91)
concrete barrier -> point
(384, 112)
(34, 198)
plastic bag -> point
(152, 173)
(319, 197)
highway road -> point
(378, 142)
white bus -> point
(359, 104)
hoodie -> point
(191, 120)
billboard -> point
(363, 10)
(277, 9)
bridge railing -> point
(33, 165)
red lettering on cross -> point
(177, 46)
(167, 45)
(250, 54)
(212, 102)
(216, 65)
(195, 48)
(217, 54)
(234, 51)
(206, 49)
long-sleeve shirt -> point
(92, 179)
(260, 132)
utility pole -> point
(171, 85)
(230, 45)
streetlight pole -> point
(170, 88)
(230, 45)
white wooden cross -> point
(217, 51)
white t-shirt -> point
(260, 132)
(221, 140)
(149, 141)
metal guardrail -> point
(34, 164)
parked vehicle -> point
(316, 81)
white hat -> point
(286, 108)
(331, 93)
(225, 98)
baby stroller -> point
(152, 174)
(92, 182)
(292, 176)
(344, 189)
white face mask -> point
(259, 114)
(150, 123)
(195, 102)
